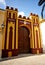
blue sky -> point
(25, 6)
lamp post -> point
(2, 26)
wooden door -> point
(23, 40)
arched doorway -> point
(23, 40)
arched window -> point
(9, 15)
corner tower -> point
(37, 46)
(10, 45)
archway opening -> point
(23, 40)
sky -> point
(25, 7)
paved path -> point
(29, 60)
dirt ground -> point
(25, 59)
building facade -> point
(20, 34)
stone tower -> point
(37, 46)
(10, 38)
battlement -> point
(11, 8)
(23, 17)
(7, 7)
(28, 18)
(20, 16)
(31, 14)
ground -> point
(25, 59)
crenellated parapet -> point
(34, 18)
(11, 8)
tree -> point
(39, 4)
